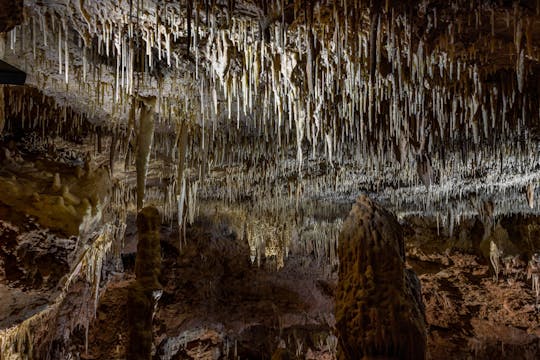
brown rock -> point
(379, 313)
(142, 294)
(148, 261)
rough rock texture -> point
(268, 105)
(142, 293)
(11, 14)
(33, 257)
(215, 301)
(148, 261)
(38, 318)
(379, 312)
(53, 243)
(469, 313)
(451, 77)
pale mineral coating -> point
(73, 209)
(379, 312)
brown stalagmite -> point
(148, 262)
(182, 143)
(379, 311)
(146, 290)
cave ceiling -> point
(430, 106)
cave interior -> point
(269, 179)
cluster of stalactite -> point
(26, 109)
(276, 102)
(32, 338)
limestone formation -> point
(146, 290)
(148, 261)
(140, 310)
(379, 312)
(145, 138)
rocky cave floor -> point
(217, 305)
(470, 313)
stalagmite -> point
(533, 272)
(273, 108)
(182, 144)
(377, 318)
(146, 290)
(19, 341)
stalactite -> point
(2, 110)
(145, 136)
(362, 90)
(182, 146)
(530, 195)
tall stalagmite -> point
(379, 311)
(146, 290)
